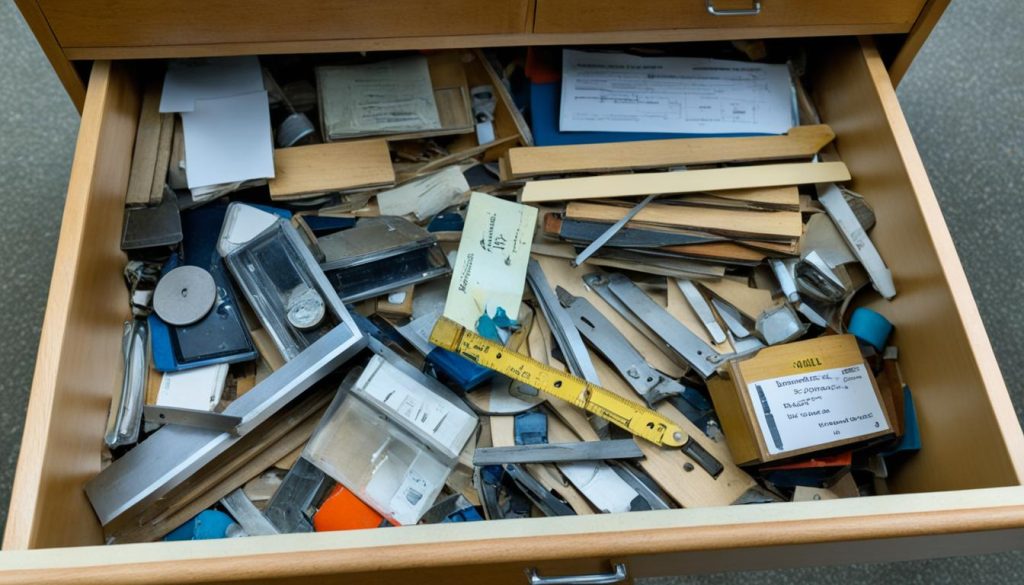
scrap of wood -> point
(638, 184)
(777, 225)
(800, 142)
(303, 171)
(254, 453)
(672, 267)
(667, 466)
(677, 305)
(749, 301)
(147, 144)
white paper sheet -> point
(195, 389)
(188, 80)
(427, 196)
(228, 140)
(615, 92)
(490, 269)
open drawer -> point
(961, 494)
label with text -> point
(806, 410)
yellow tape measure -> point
(635, 418)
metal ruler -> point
(637, 419)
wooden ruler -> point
(631, 416)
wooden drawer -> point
(961, 494)
(131, 23)
(828, 17)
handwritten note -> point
(616, 92)
(490, 269)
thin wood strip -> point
(633, 185)
(800, 142)
(755, 224)
(145, 154)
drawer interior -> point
(970, 433)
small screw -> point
(687, 466)
(677, 436)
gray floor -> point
(964, 98)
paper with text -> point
(616, 92)
(806, 410)
(490, 268)
(388, 97)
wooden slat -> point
(753, 224)
(800, 142)
(305, 170)
(750, 177)
(145, 159)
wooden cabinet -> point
(961, 494)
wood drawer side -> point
(79, 349)
(971, 435)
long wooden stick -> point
(800, 142)
(699, 181)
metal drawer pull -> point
(617, 576)
(752, 11)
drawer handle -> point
(752, 11)
(616, 576)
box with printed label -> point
(799, 398)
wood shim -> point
(755, 224)
(699, 181)
(152, 151)
(800, 142)
(337, 166)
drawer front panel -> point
(140, 23)
(869, 16)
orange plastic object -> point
(838, 460)
(342, 510)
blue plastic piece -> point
(910, 442)
(870, 327)
(488, 326)
(451, 368)
(469, 514)
(531, 428)
(545, 110)
(457, 371)
(207, 525)
(221, 336)
(447, 222)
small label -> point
(807, 410)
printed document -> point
(616, 92)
